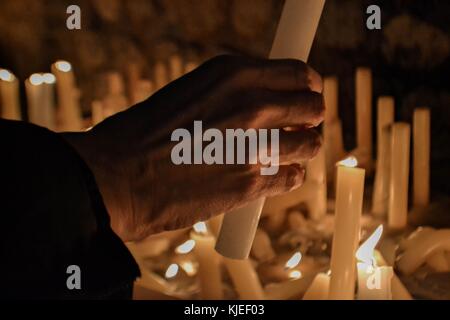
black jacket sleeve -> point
(51, 217)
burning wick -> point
(5, 75)
(200, 227)
(171, 271)
(186, 247)
(294, 260)
(49, 78)
(350, 162)
(36, 79)
(63, 66)
(189, 268)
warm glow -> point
(189, 268)
(200, 227)
(172, 271)
(36, 79)
(63, 66)
(366, 250)
(294, 260)
(295, 274)
(5, 75)
(350, 162)
(49, 78)
(185, 247)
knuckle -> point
(315, 81)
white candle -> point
(349, 199)
(288, 289)
(209, 263)
(293, 39)
(414, 257)
(238, 231)
(421, 162)
(69, 109)
(40, 99)
(9, 94)
(399, 292)
(398, 191)
(245, 279)
(382, 175)
(364, 113)
(319, 289)
(316, 173)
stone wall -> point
(409, 56)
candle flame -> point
(189, 268)
(63, 66)
(350, 162)
(200, 227)
(185, 247)
(295, 274)
(172, 271)
(6, 75)
(36, 79)
(49, 78)
(366, 250)
(294, 260)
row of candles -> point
(64, 113)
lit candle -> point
(288, 289)
(349, 199)
(398, 190)
(293, 39)
(69, 109)
(421, 162)
(9, 94)
(364, 114)
(374, 282)
(209, 263)
(319, 288)
(40, 98)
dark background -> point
(408, 56)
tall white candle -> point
(69, 109)
(40, 99)
(209, 263)
(382, 175)
(364, 113)
(293, 39)
(421, 161)
(398, 191)
(349, 199)
(316, 173)
(9, 94)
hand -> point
(130, 152)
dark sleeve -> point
(52, 217)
